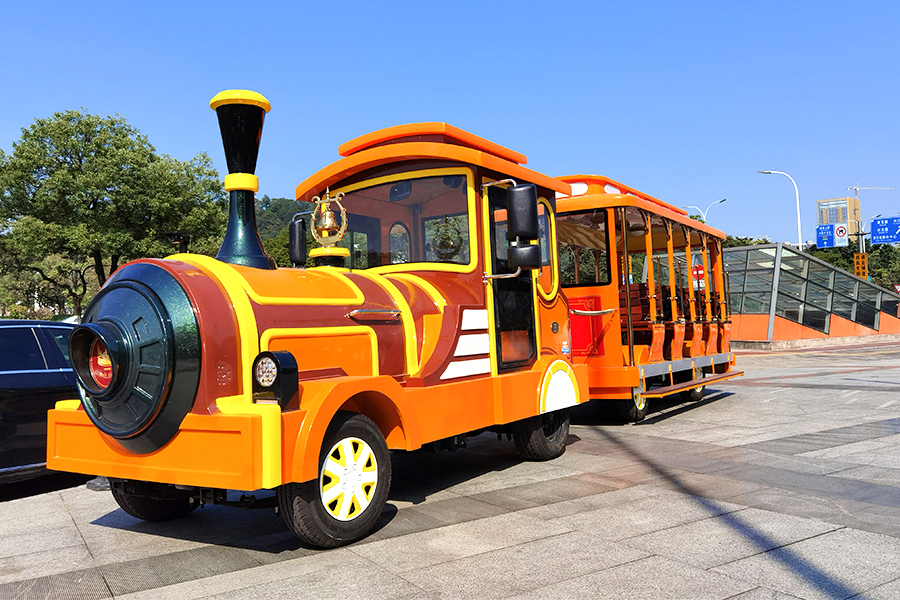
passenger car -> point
(34, 373)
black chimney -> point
(241, 114)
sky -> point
(685, 101)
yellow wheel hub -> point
(349, 478)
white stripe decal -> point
(472, 344)
(475, 319)
(465, 368)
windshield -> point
(413, 220)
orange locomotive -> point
(453, 293)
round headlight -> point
(99, 364)
(266, 371)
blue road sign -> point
(825, 236)
(886, 231)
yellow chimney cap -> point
(240, 97)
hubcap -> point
(349, 478)
(639, 400)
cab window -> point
(416, 220)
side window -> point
(583, 248)
(61, 338)
(19, 350)
(398, 243)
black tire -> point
(632, 411)
(331, 521)
(697, 393)
(542, 437)
(153, 509)
(693, 395)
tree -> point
(92, 193)
(272, 217)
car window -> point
(19, 350)
(61, 337)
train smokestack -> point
(241, 114)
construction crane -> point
(861, 233)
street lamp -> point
(703, 212)
(862, 233)
(797, 193)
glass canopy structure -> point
(779, 293)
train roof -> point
(592, 191)
(424, 141)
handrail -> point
(592, 313)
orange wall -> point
(755, 327)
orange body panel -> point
(353, 352)
(755, 328)
(219, 450)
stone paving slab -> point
(782, 484)
(812, 568)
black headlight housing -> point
(275, 378)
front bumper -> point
(216, 451)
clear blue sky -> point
(683, 100)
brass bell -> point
(326, 225)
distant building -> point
(839, 210)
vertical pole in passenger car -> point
(707, 278)
(690, 274)
(673, 294)
(648, 265)
(719, 272)
(626, 275)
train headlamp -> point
(265, 371)
(275, 378)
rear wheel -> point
(149, 508)
(542, 437)
(346, 501)
(694, 394)
(633, 410)
(697, 393)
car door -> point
(34, 375)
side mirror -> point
(525, 257)
(297, 242)
(522, 214)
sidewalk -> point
(782, 484)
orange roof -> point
(418, 131)
(587, 188)
(423, 141)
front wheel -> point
(345, 502)
(542, 437)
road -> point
(782, 484)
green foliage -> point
(88, 193)
(883, 259)
(272, 218)
(732, 241)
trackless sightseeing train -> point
(455, 291)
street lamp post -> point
(862, 233)
(797, 193)
(703, 212)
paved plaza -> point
(784, 483)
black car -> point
(34, 374)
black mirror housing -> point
(526, 257)
(522, 215)
(297, 242)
